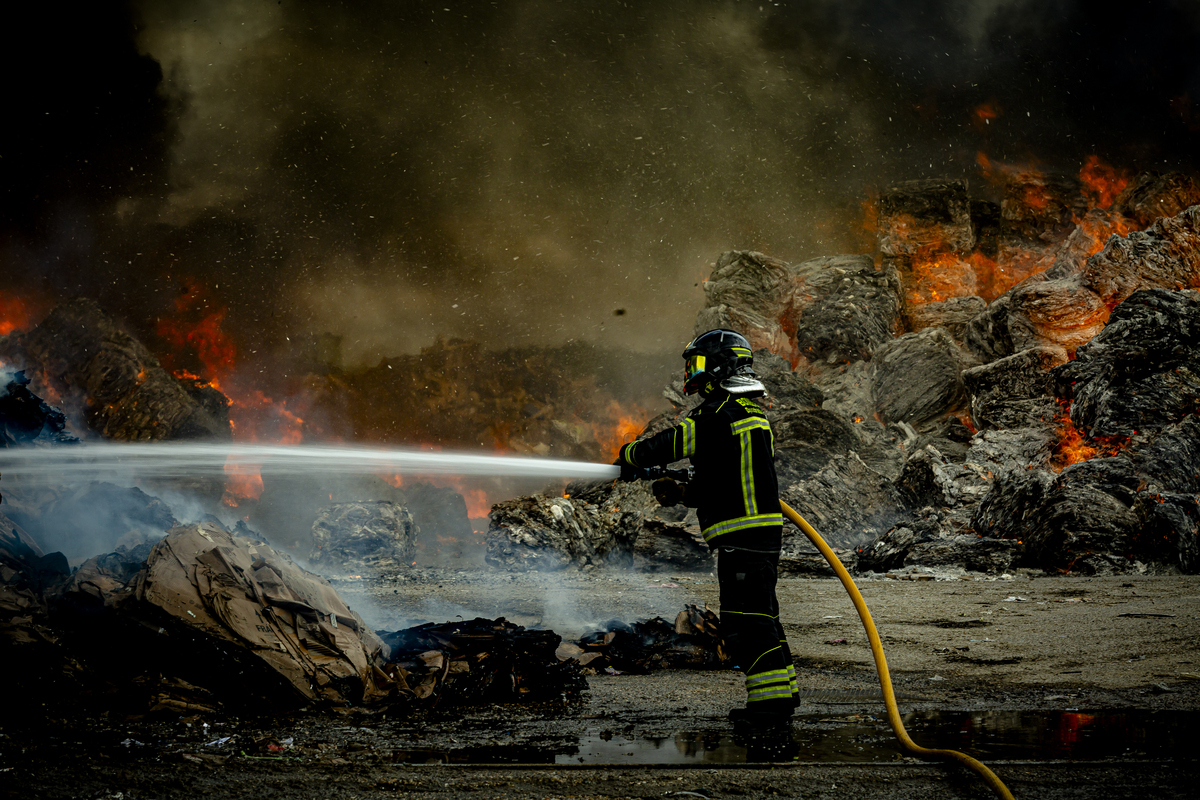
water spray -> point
(188, 459)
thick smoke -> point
(532, 172)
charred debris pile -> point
(206, 620)
(1004, 385)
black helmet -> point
(714, 356)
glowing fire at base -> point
(1074, 446)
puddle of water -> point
(994, 735)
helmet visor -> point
(692, 367)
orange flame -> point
(479, 505)
(940, 276)
(1101, 182)
(242, 482)
(984, 114)
(16, 314)
(1073, 446)
(620, 427)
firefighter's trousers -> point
(750, 627)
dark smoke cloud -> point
(517, 172)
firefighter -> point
(736, 496)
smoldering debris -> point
(692, 641)
(208, 619)
(481, 661)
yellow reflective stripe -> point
(627, 453)
(741, 351)
(748, 501)
(688, 427)
(767, 652)
(749, 424)
(753, 614)
(768, 693)
(767, 677)
(741, 523)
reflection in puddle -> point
(1018, 735)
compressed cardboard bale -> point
(129, 396)
(1142, 372)
(543, 532)
(843, 309)
(377, 535)
(806, 441)
(1054, 312)
(748, 292)
(848, 502)
(237, 600)
(1086, 522)
(1014, 391)
(918, 377)
(926, 233)
(952, 314)
(1039, 207)
(1166, 256)
(1156, 194)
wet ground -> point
(1066, 686)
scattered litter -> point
(612, 671)
(832, 616)
(937, 678)
(1191, 676)
(216, 742)
(1014, 599)
(837, 641)
(1071, 600)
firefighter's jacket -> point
(734, 490)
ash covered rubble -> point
(207, 619)
(1012, 385)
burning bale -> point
(838, 308)
(918, 377)
(926, 234)
(128, 395)
(376, 535)
(1142, 372)
(1069, 304)
(913, 446)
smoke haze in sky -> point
(531, 172)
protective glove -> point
(668, 491)
(628, 471)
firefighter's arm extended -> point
(646, 459)
(664, 447)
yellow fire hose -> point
(885, 680)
